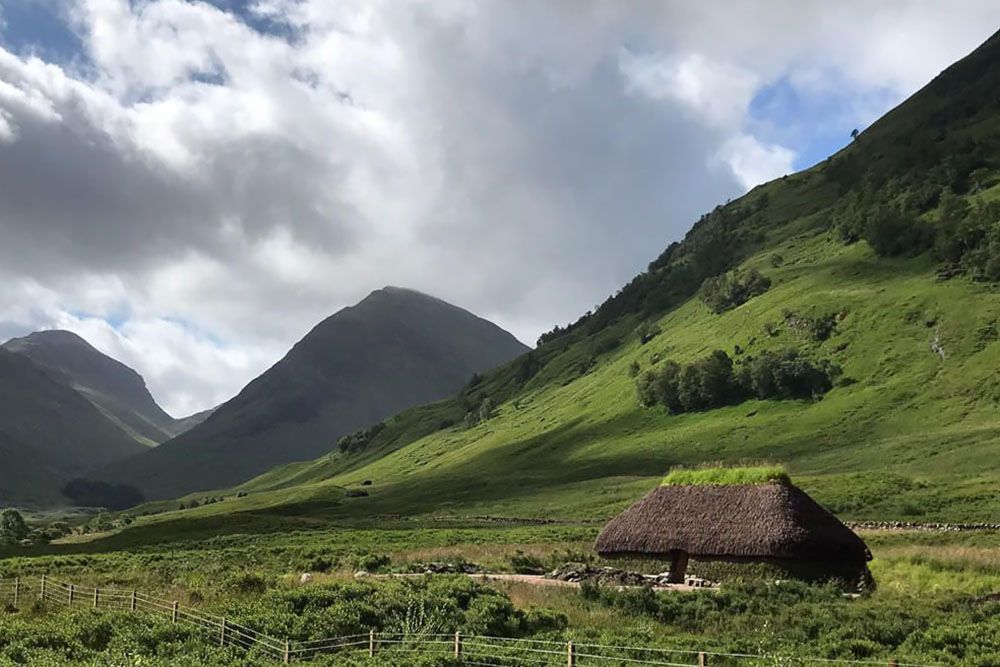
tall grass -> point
(723, 476)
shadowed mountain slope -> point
(49, 433)
(395, 349)
(115, 389)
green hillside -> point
(881, 263)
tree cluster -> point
(968, 237)
(714, 381)
(733, 288)
(355, 442)
(484, 412)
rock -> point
(305, 578)
(361, 574)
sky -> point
(192, 186)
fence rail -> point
(475, 650)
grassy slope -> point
(914, 436)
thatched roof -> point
(773, 520)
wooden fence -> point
(476, 650)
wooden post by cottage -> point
(287, 658)
(132, 602)
(173, 612)
(458, 646)
(72, 589)
(702, 660)
(570, 655)
(371, 643)
(41, 589)
(17, 590)
(97, 597)
(222, 633)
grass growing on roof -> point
(726, 476)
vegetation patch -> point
(720, 476)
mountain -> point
(395, 349)
(116, 390)
(858, 345)
(49, 433)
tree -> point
(854, 133)
(13, 529)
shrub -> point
(890, 232)
(734, 288)
(525, 564)
(360, 439)
(245, 583)
(787, 374)
(373, 562)
(647, 332)
(13, 529)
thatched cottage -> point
(768, 520)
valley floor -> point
(936, 602)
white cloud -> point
(216, 191)
(754, 162)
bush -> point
(647, 332)
(890, 232)
(729, 290)
(13, 529)
(373, 562)
(360, 439)
(787, 374)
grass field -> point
(932, 604)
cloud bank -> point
(200, 184)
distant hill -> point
(49, 433)
(395, 349)
(119, 392)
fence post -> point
(570, 655)
(72, 589)
(41, 589)
(702, 660)
(371, 643)
(17, 590)
(458, 645)
(132, 602)
(97, 596)
(222, 633)
(288, 652)
(173, 612)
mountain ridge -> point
(117, 390)
(395, 348)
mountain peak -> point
(395, 349)
(117, 390)
(48, 337)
